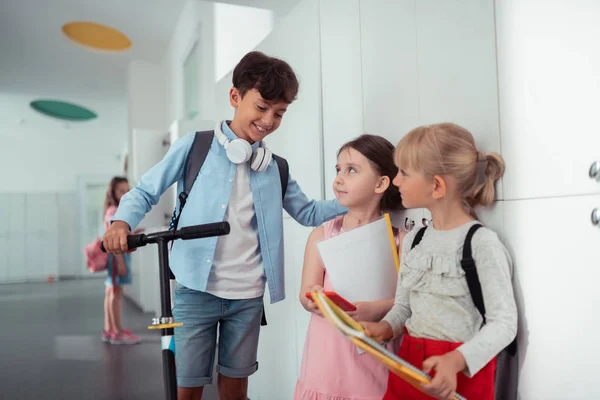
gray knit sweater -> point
(433, 300)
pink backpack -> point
(95, 258)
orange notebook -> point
(355, 333)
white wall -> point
(195, 24)
(146, 96)
(295, 39)
(232, 36)
(47, 155)
(148, 137)
(549, 88)
(402, 64)
(42, 159)
(390, 65)
(148, 142)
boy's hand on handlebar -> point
(115, 238)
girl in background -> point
(119, 273)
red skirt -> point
(415, 351)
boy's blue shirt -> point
(191, 260)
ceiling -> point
(37, 58)
(279, 7)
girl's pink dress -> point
(332, 368)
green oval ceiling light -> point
(63, 110)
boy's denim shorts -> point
(238, 322)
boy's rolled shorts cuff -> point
(237, 372)
(193, 382)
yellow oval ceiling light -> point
(97, 36)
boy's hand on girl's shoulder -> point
(443, 384)
(115, 238)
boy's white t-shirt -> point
(238, 271)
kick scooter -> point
(166, 323)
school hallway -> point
(51, 346)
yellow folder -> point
(355, 333)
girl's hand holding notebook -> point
(379, 331)
(443, 384)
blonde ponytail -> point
(493, 168)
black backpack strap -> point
(512, 347)
(418, 237)
(468, 265)
(284, 173)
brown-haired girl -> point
(332, 368)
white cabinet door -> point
(549, 81)
(555, 251)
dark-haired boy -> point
(221, 281)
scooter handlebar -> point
(186, 233)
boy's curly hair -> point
(273, 78)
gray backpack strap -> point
(284, 173)
(193, 163)
(195, 160)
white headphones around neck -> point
(240, 151)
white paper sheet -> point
(361, 263)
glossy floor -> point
(50, 346)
